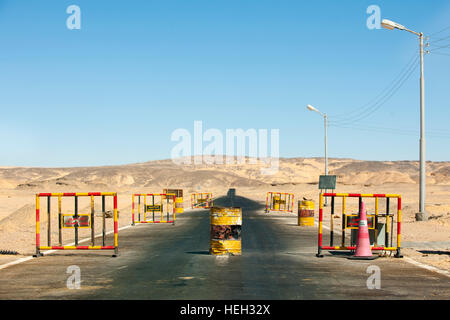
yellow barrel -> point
(179, 205)
(306, 213)
(276, 203)
(225, 231)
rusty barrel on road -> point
(306, 213)
(225, 231)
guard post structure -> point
(225, 231)
(76, 221)
(377, 229)
(179, 206)
(202, 200)
(279, 202)
(153, 208)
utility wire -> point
(385, 95)
(390, 129)
(440, 47)
(433, 34)
(370, 105)
(381, 101)
(440, 53)
(397, 131)
(377, 129)
(439, 40)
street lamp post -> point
(421, 215)
(325, 118)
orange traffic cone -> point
(363, 251)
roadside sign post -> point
(327, 182)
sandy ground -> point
(427, 242)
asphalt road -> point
(172, 262)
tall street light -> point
(324, 115)
(421, 215)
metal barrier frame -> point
(209, 202)
(162, 196)
(344, 196)
(177, 192)
(288, 204)
(178, 198)
(92, 195)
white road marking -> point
(409, 260)
(426, 266)
(6, 265)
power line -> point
(439, 131)
(370, 105)
(433, 34)
(439, 40)
(385, 95)
(397, 131)
(440, 47)
(376, 129)
(378, 105)
(399, 83)
(440, 53)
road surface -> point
(172, 262)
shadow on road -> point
(198, 252)
(439, 252)
(233, 200)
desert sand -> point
(427, 242)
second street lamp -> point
(324, 115)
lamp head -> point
(391, 25)
(311, 108)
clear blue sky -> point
(114, 91)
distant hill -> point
(165, 173)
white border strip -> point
(426, 266)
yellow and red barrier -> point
(179, 204)
(202, 200)
(280, 202)
(160, 203)
(375, 217)
(75, 221)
